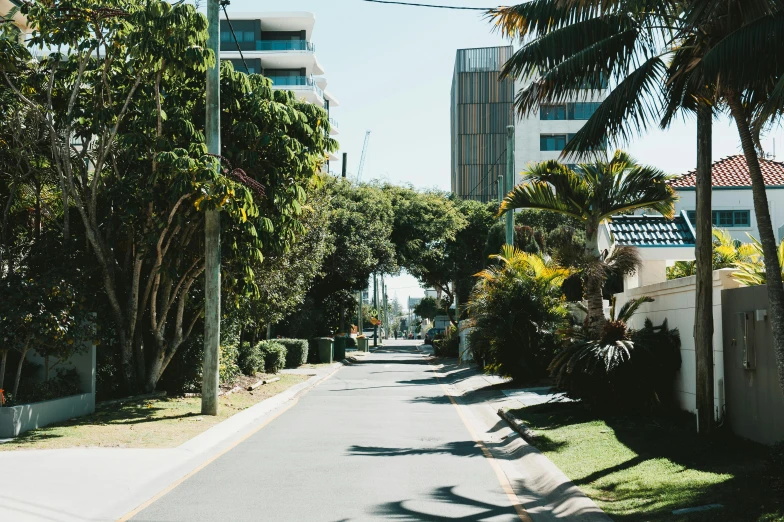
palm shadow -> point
(479, 510)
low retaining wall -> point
(15, 420)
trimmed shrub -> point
(274, 355)
(229, 370)
(296, 351)
(250, 359)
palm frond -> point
(625, 112)
(630, 307)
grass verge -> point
(151, 423)
(639, 469)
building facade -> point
(279, 46)
(481, 109)
(732, 202)
(18, 19)
(482, 106)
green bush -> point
(250, 359)
(63, 384)
(274, 355)
(447, 344)
(296, 351)
(229, 370)
(516, 310)
(625, 369)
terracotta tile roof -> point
(651, 230)
(734, 172)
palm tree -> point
(721, 54)
(593, 193)
(727, 253)
(753, 271)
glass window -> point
(741, 218)
(552, 112)
(552, 141)
(225, 36)
(248, 36)
(582, 110)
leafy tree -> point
(360, 221)
(428, 308)
(752, 269)
(138, 176)
(45, 315)
(592, 193)
(425, 223)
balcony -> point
(285, 45)
(297, 84)
(333, 126)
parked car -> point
(432, 333)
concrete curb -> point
(519, 426)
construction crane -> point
(362, 158)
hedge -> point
(296, 351)
(250, 359)
(274, 354)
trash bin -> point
(362, 344)
(325, 349)
(340, 347)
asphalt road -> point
(379, 440)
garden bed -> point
(640, 469)
(146, 423)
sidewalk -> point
(98, 484)
(544, 491)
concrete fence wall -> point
(755, 402)
(675, 301)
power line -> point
(223, 4)
(411, 4)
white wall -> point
(740, 199)
(528, 130)
(675, 301)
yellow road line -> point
(176, 483)
(503, 480)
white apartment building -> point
(543, 135)
(279, 46)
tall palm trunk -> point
(767, 238)
(703, 253)
(592, 284)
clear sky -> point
(391, 67)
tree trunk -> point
(19, 370)
(46, 367)
(3, 360)
(767, 237)
(592, 286)
(703, 253)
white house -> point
(732, 202)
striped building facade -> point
(481, 109)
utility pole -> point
(509, 181)
(375, 305)
(212, 255)
(360, 326)
(386, 308)
(345, 156)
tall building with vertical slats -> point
(481, 109)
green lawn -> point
(638, 469)
(147, 423)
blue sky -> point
(391, 69)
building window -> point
(552, 112)
(242, 36)
(725, 218)
(552, 141)
(582, 110)
(225, 36)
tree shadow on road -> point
(474, 509)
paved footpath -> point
(379, 440)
